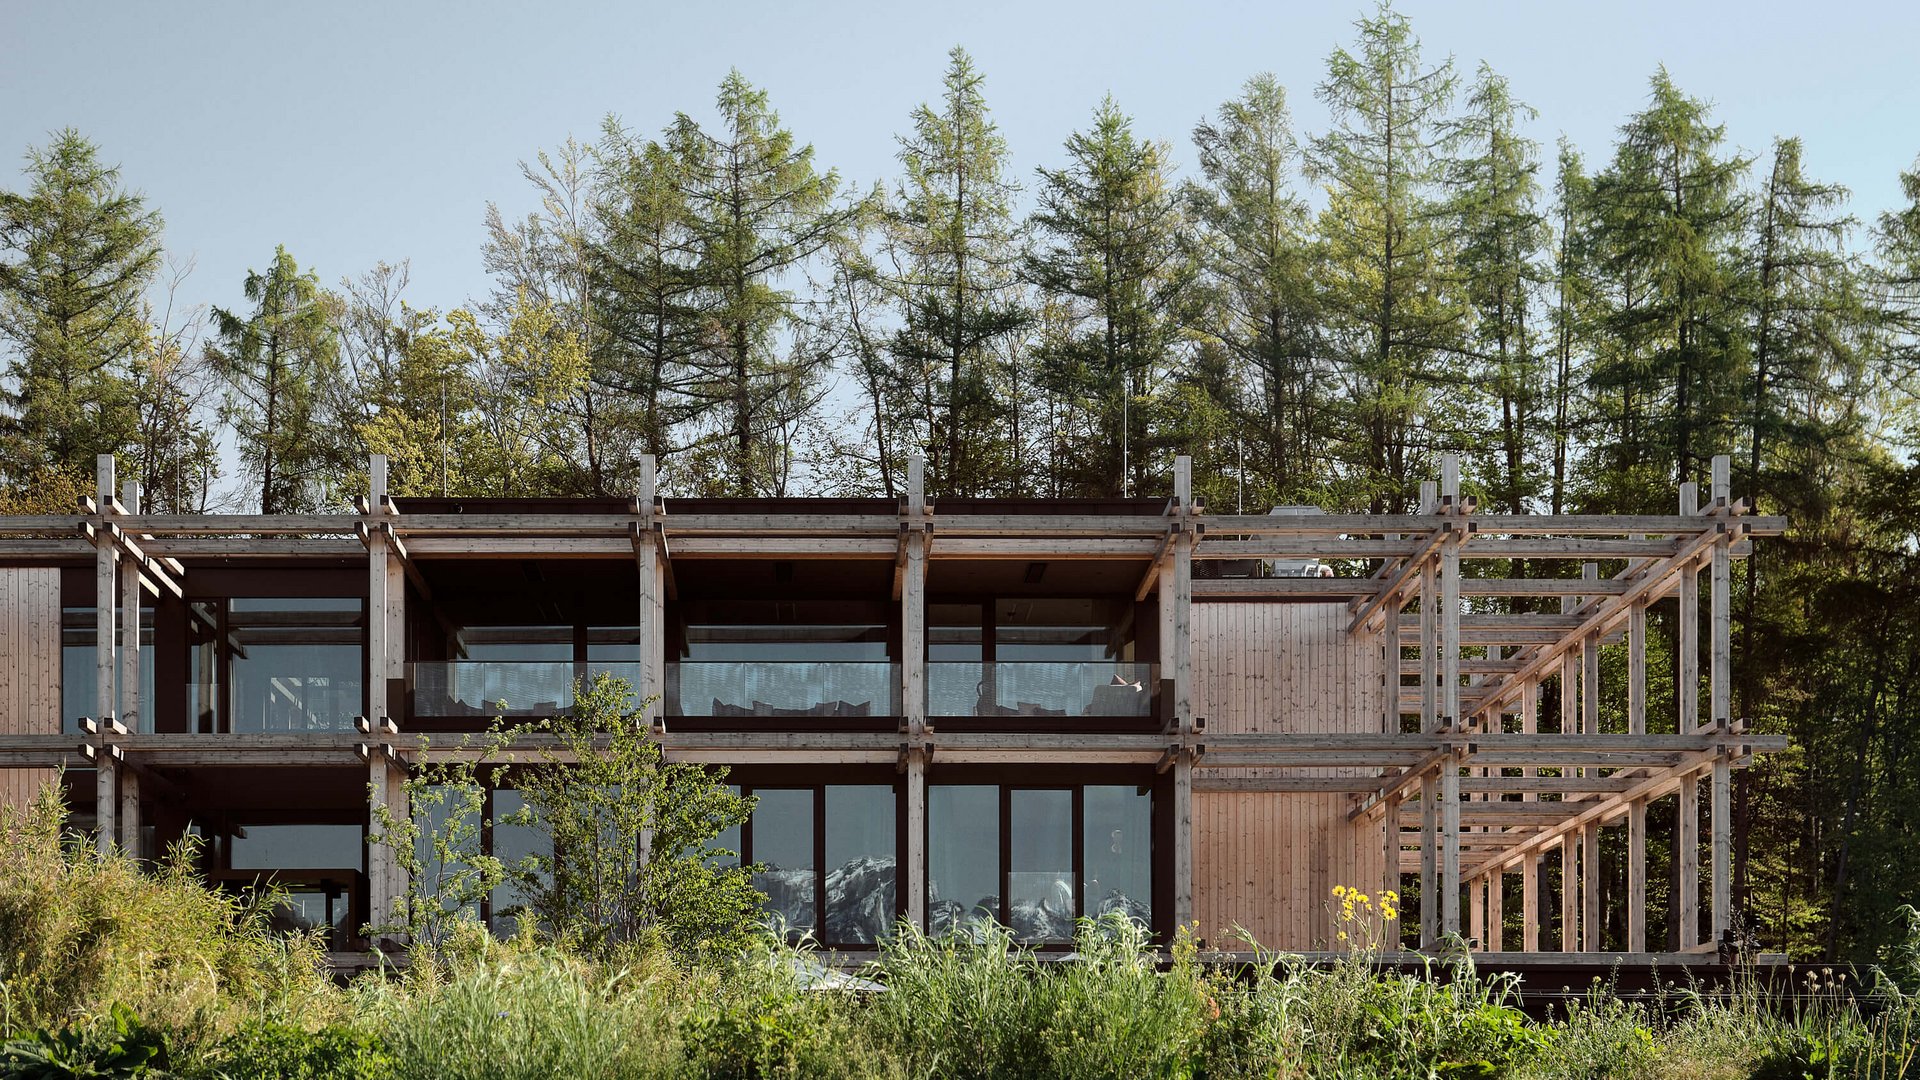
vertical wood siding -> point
(1269, 862)
(29, 668)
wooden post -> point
(1719, 673)
(913, 688)
(382, 866)
(1569, 893)
(1637, 810)
(1450, 697)
(1496, 911)
(1430, 901)
(106, 646)
(1179, 651)
(1530, 869)
(1390, 928)
(1687, 834)
(647, 551)
(131, 716)
(1591, 927)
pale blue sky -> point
(355, 132)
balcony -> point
(511, 689)
(781, 689)
(1040, 689)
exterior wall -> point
(1268, 862)
(29, 669)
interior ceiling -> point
(1049, 577)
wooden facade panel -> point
(29, 668)
(1268, 862)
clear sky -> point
(356, 132)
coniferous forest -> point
(1313, 316)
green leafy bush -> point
(274, 1050)
(120, 1047)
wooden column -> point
(1719, 708)
(1530, 869)
(1496, 911)
(1430, 901)
(106, 645)
(1592, 928)
(131, 717)
(1570, 893)
(1176, 658)
(913, 688)
(1687, 834)
(383, 886)
(1450, 696)
(1591, 925)
(1637, 810)
(1390, 821)
(653, 654)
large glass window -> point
(963, 856)
(784, 660)
(268, 664)
(79, 671)
(782, 843)
(1118, 844)
(1036, 657)
(512, 845)
(828, 848)
(1062, 853)
(861, 889)
(295, 847)
(1041, 898)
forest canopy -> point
(1313, 316)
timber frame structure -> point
(1384, 729)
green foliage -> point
(435, 840)
(81, 933)
(630, 864)
(77, 252)
(276, 361)
(122, 1047)
(522, 1013)
(278, 1050)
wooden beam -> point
(1450, 701)
(1687, 827)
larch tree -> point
(1671, 219)
(758, 211)
(1498, 266)
(1251, 244)
(651, 308)
(1386, 238)
(1108, 257)
(77, 253)
(547, 259)
(276, 360)
(951, 234)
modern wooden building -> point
(1011, 709)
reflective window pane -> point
(1040, 884)
(79, 671)
(963, 856)
(295, 664)
(296, 847)
(861, 904)
(512, 844)
(449, 822)
(783, 845)
(1118, 850)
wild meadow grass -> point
(108, 970)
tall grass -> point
(82, 932)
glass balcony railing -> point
(1040, 688)
(783, 689)
(504, 688)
